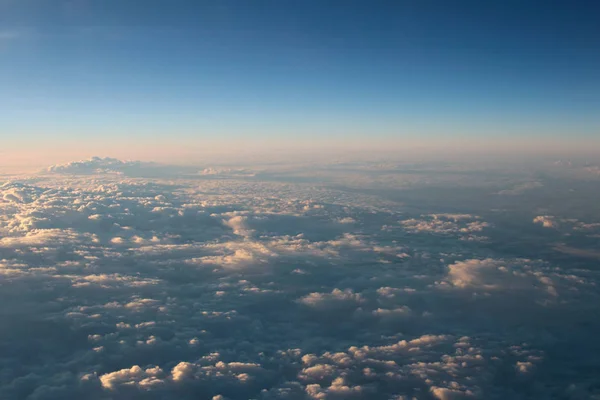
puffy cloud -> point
(547, 221)
(227, 172)
(486, 274)
(450, 394)
(336, 298)
(235, 372)
(237, 254)
(98, 165)
(390, 292)
(111, 280)
(394, 312)
(524, 366)
(569, 227)
(337, 390)
(134, 376)
(493, 275)
(239, 225)
(465, 225)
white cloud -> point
(336, 298)
(227, 172)
(95, 165)
(390, 292)
(465, 225)
(450, 394)
(239, 225)
(485, 274)
(547, 221)
(402, 311)
(134, 376)
(111, 280)
(338, 389)
(518, 280)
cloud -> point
(577, 252)
(127, 286)
(492, 275)
(486, 274)
(119, 168)
(569, 226)
(134, 376)
(239, 225)
(395, 312)
(338, 389)
(95, 165)
(334, 299)
(450, 394)
(227, 172)
(465, 225)
(546, 221)
(521, 188)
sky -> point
(145, 79)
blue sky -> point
(290, 70)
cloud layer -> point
(115, 287)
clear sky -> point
(200, 73)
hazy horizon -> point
(34, 156)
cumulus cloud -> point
(227, 172)
(95, 165)
(134, 376)
(486, 274)
(398, 311)
(98, 166)
(547, 221)
(238, 224)
(334, 299)
(465, 225)
(569, 226)
(506, 275)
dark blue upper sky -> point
(299, 68)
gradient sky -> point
(193, 72)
